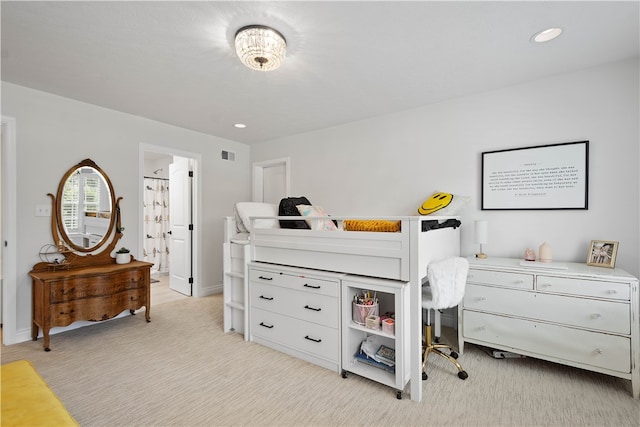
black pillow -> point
(288, 207)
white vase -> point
(544, 252)
(123, 258)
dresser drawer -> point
(308, 306)
(310, 338)
(606, 316)
(96, 309)
(81, 288)
(301, 282)
(550, 342)
(501, 278)
(584, 287)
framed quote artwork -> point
(554, 176)
(602, 253)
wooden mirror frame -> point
(59, 226)
(74, 253)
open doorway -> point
(271, 180)
(155, 202)
(167, 218)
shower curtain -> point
(156, 224)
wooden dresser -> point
(93, 293)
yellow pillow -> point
(443, 203)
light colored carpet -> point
(182, 370)
(161, 293)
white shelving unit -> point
(393, 296)
(235, 288)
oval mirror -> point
(85, 204)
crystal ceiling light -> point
(260, 48)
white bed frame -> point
(402, 256)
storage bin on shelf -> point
(362, 311)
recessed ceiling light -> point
(546, 35)
(240, 125)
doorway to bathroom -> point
(167, 223)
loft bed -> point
(401, 255)
(387, 255)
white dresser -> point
(296, 311)
(582, 316)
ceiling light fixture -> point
(260, 48)
(546, 35)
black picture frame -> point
(541, 177)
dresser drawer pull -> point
(312, 308)
(265, 278)
(518, 282)
(599, 351)
(612, 292)
(267, 298)
(265, 325)
(482, 299)
(545, 285)
(307, 337)
(596, 315)
(306, 285)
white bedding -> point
(245, 210)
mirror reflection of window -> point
(81, 195)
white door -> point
(180, 226)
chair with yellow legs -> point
(444, 288)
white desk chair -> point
(445, 289)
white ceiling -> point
(174, 61)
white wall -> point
(54, 133)
(388, 165)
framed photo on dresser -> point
(602, 253)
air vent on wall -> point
(228, 155)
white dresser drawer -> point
(500, 278)
(584, 287)
(551, 342)
(311, 338)
(605, 316)
(301, 282)
(317, 308)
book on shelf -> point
(386, 355)
(362, 357)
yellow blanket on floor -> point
(27, 399)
